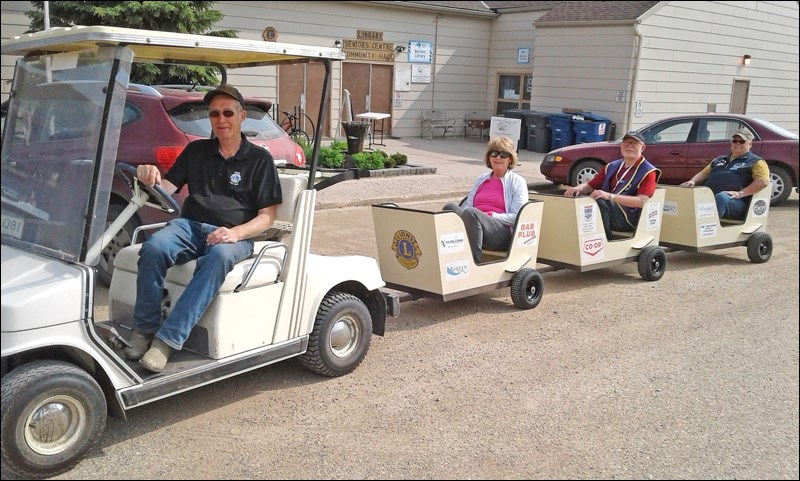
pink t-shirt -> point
(489, 197)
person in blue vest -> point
(622, 187)
(734, 177)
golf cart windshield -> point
(52, 152)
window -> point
(514, 92)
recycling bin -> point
(590, 127)
(561, 131)
(538, 131)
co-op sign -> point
(369, 46)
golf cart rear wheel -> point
(759, 247)
(341, 336)
(527, 288)
(652, 263)
(53, 413)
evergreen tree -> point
(183, 17)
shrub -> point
(388, 163)
(399, 159)
(338, 144)
(368, 160)
(308, 147)
(330, 158)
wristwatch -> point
(741, 193)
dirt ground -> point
(694, 376)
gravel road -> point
(694, 376)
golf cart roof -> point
(151, 46)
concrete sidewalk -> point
(457, 162)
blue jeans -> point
(613, 218)
(482, 229)
(730, 208)
(179, 242)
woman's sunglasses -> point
(216, 113)
(499, 153)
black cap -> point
(224, 89)
(634, 135)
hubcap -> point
(55, 425)
(344, 336)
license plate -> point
(12, 225)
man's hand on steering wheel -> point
(148, 175)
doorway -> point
(300, 89)
(741, 89)
(370, 87)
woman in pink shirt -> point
(491, 208)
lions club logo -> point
(406, 249)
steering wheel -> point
(156, 192)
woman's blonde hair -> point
(502, 144)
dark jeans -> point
(483, 231)
(730, 208)
(613, 218)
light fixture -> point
(746, 59)
(337, 44)
(400, 49)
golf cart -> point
(62, 367)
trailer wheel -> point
(652, 263)
(53, 413)
(759, 247)
(341, 336)
(527, 288)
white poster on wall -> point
(421, 74)
(506, 127)
(402, 77)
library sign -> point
(369, 46)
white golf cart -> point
(62, 368)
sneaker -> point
(155, 359)
(139, 344)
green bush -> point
(338, 144)
(399, 159)
(330, 158)
(308, 147)
(388, 163)
(368, 160)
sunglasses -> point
(499, 153)
(216, 113)
(738, 141)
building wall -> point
(14, 23)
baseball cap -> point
(744, 133)
(634, 135)
(224, 89)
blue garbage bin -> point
(590, 127)
(562, 133)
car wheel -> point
(652, 263)
(53, 413)
(759, 247)
(527, 288)
(105, 268)
(584, 171)
(781, 184)
(341, 336)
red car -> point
(158, 122)
(681, 146)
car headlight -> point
(552, 158)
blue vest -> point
(629, 185)
(727, 174)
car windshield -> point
(51, 145)
(192, 118)
(777, 129)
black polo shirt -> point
(222, 192)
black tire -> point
(341, 336)
(105, 268)
(652, 263)
(53, 414)
(299, 137)
(781, 184)
(584, 171)
(527, 288)
(759, 247)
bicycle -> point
(291, 126)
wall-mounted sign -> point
(523, 55)
(419, 52)
(372, 50)
(270, 34)
(369, 35)
(420, 74)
